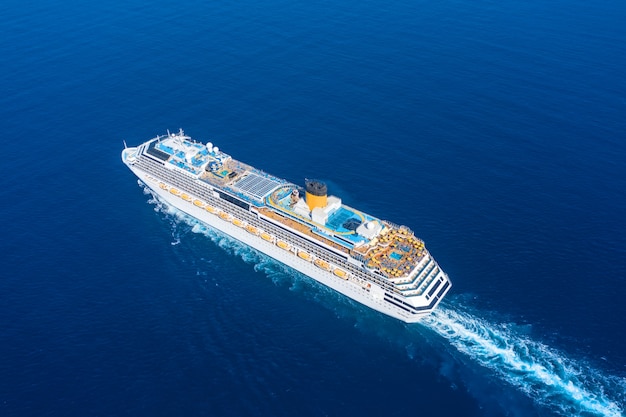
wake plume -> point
(545, 375)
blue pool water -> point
(494, 130)
(395, 255)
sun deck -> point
(394, 251)
(302, 228)
(341, 225)
(395, 254)
(391, 250)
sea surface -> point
(496, 130)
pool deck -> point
(394, 252)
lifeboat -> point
(174, 191)
(283, 245)
(237, 222)
(251, 229)
(198, 203)
(267, 236)
(322, 264)
(185, 197)
(210, 209)
(304, 255)
(340, 273)
(225, 216)
(163, 186)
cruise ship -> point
(373, 261)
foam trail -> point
(544, 374)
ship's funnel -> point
(316, 193)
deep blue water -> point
(494, 129)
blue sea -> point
(495, 130)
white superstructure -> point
(372, 261)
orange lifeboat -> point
(340, 273)
(304, 255)
(322, 264)
(283, 245)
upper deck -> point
(209, 164)
(390, 250)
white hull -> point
(372, 297)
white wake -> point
(544, 374)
